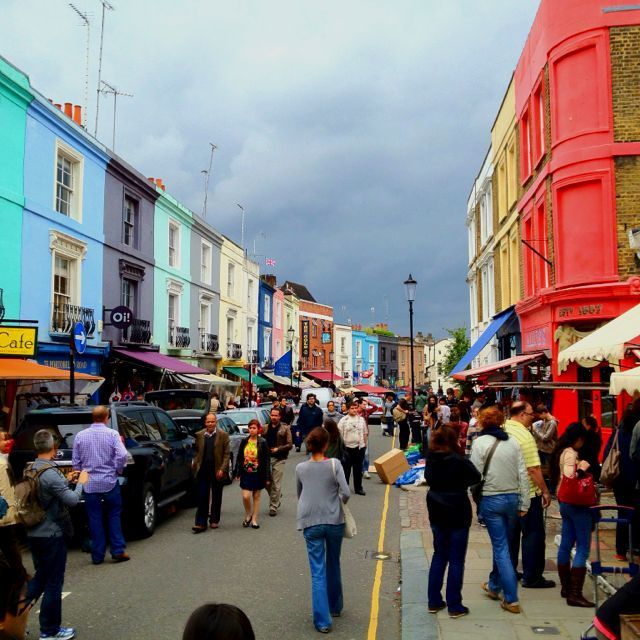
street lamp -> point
(241, 224)
(411, 284)
(291, 332)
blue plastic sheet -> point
(412, 457)
(409, 477)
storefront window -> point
(608, 404)
(585, 396)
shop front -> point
(57, 356)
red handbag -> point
(578, 490)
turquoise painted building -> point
(14, 100)
(365, 357)
(172, 278)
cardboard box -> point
(630, 627)
(391, 465)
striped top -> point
(528, 447)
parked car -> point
(376, 416)
(323, 395)
(158, 471)
(242, 417)
(187, 407)
(227, 424)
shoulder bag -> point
(611, 465)
(476, 490)
(578, 491)
(350, 529)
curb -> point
(417, 622)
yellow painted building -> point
(292, 319)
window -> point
(473, 302)
(67, 254)
(486, 217)
(205, 262)
(174, 244)
(231, 334)
(537, 125)
(541, 244)
(130, 222)
(502, 189)
(314, 329)
(62, 283)
(173, 309)
(514, 257)
(68, 182)
(277, 321)
(205, 317)
(167, 427)
(383, 353)
(343, 345)
(472, 239)
(512, 177)
(129, 293)
(267, 308)
(250, 289)
(231, 279)
(525, 147)
(394, 355)
(372, 353)
(358, 348)
(505, 276)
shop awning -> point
(372, 390)
(243, 374)
(628, 381)
(487, 369)
(498, 321)
(160, 361)
(325, 376)
(277, 379)
(606, 343)
(16, 369)
(207, 379)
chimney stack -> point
(68, 110)
(270, 279)
(77, 114)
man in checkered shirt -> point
(99, 451)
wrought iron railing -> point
(267, 363)
(2, 310)
(208, 342)
(253, 356)
(138, 333)
(179, 337)
(64, 317)
(234, 351)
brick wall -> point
(551, 250)
(627, 170)
(625, 80)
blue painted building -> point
(365, 357)
(62, 234)
(265, 324)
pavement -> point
(544, 612)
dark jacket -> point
(627, 479)
(286, 413)
(264, 459)
(449, 476)
(590, 452)
(335, 449)
(220, 451)
(309, 418)
(283, 440)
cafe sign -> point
(18, 342)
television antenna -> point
(106, 6)
(207, 175)
(111, 90)
(85, 23)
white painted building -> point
(342, 353)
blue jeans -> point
(576, 529)
(96, 504)
(449, 548)
(365, 461)
(324, 542)
(500, 514)
(531, 527)
(390, 426)
(49, 559)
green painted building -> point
(15, 97)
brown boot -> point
(575, 597)
(564, 571)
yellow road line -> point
(377, 580)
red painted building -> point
(577, 87)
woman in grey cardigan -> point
(505, 495)
(321, 487)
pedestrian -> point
(218, 622)
(449, 476)
(566, 463)
(387, 414)
(211, 472)
(253, 469)
(460, 427)
(421, 401)
(280, 442)
(310, 416)
(592, 445)
(401, 416)
(321, 487)
(286, 412)
(472, 431)
(444, 412)
(215, 403)
(624, 486)
(530, 528)
(331, 412)
(352, 429)
(47, 538)
(504, 497)
(365, 409)
(335, 449)
(100, 451)
(545, 432)
(451, 399)
(14, 605)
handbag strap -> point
(487, 462)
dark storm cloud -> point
(350, 131)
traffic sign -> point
(121, 317)
(79, 338)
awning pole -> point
(164, 371)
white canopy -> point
(207, 379)
(607, 342)
(628, 381)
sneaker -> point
(64, 633)
(511, 607)
(366, 475)
(273, 512)
(492, 594)
(458, 613)
(436, 608)
(122, 557)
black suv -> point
(158, 471)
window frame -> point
(175, 225)
(204, 244)
(231, 279)
(76, 160)
(134, 244)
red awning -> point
(372, 390)
(496, 366)
(325, 376)
(160, 361)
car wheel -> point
(149, 511)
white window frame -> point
(472, 239)
(250, 292)
(77, 161)
(277, 321)
(473, 302)
(127, 223)
(372, 353)
(205, 306)
(267, 308)
(358, 348)
(175, 289)
(72, 249)
(231, 279)
(173, 224)
(231, 329)
(206, 274)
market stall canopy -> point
(207, 379)
(243, 374)
(606, 343)
(16, 369)
(325, 376)
(277, 379)
(487, 369)
(306, 383)
(628, 381)
(374, 391)
(160, 361)
(498, 321)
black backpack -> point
(29, 510)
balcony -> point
(208, 342)
(64, 316)
(234, 351)
(179, 337)
(253, 356)
(267, 363)
(138, 333)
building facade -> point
(279, 337)
(265, 324)
(365, 356)
(342, 361)
(251, 280)
(387, 360)
(291, 312)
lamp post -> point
(291, 333)
(241, 225)
(411, 284)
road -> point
(265, 572)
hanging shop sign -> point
(121, 317)
(18, 342)
(326, 337)
(305, 338)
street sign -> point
(121, 317)
(79, 338)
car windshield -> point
(65, 427)
(375, 400)
(173, 403)
(242, 417)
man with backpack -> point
(47, 536)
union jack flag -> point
(270, 262)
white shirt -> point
(352, 430)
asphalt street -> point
(264, 571)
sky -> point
(349, 130)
